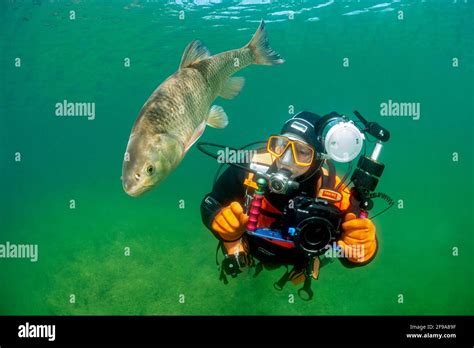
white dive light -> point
(343, 141)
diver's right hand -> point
(230, 222)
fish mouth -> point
(138, 191)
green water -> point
(81, 250)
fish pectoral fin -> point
(217, 117)
(232, 87)
(193, 53)
(196, 135)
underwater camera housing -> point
(308, 224)
(313, 224)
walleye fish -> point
(176, 114)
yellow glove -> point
(230, 222)
(358, 238)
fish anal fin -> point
(217, 117)
(194, 53)
(232, 87)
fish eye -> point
(150, 169)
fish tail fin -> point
(261, 50)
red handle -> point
(254, 212)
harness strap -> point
(328, 177)
(270, 213)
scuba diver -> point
(295, 164)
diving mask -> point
(303, 154)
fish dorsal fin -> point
(193, 53)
